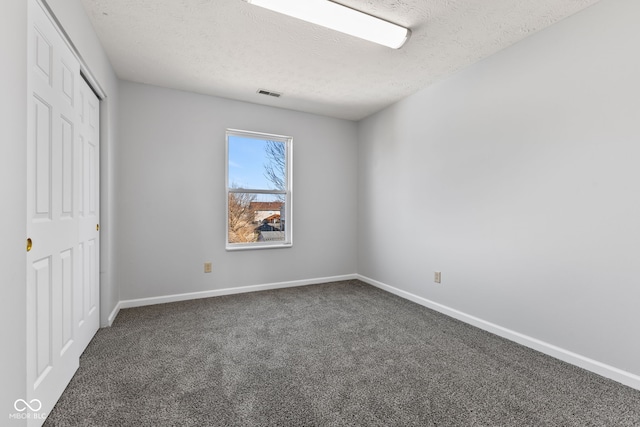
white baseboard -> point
(113, 314)
(594, 366)
(228, 291)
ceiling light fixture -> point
(340, 18)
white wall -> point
(76, 24)
(13, 215)
(171, 194)
(519, 179)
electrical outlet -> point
(437, 277)
(207, 267)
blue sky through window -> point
(247, 157)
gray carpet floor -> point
(336, 354)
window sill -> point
(252, 246)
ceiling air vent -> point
(269, 93)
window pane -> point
(256, 164)
(256, 218)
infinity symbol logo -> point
(21, 405)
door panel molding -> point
(63, 263)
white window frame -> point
(287, 192)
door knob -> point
(29, 244)
(97, 227)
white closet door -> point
(88, 289)
(61, 174)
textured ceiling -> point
(230, 48)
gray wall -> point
(75, 22)
(518, 178)
(171, 194)
(13, 163)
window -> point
(258, 190)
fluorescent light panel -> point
(340, 18)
